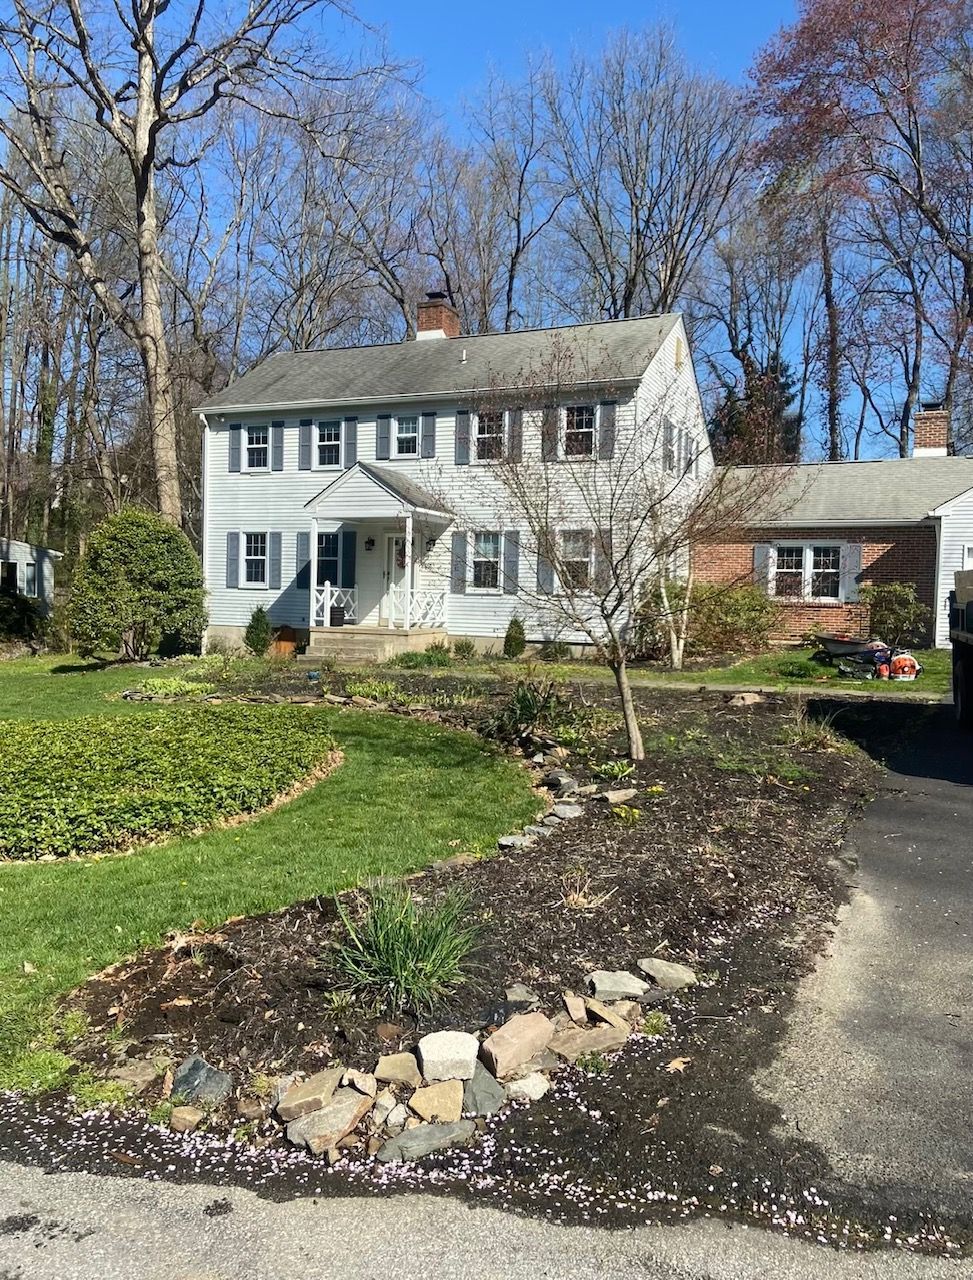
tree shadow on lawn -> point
(87, 666)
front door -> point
(394, 611)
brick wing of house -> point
(359, 487)
(838, 526)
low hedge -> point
(102, 783)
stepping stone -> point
(425, 1139)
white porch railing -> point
(428, 608)
(327, 597)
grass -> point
(407, 794)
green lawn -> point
(407, 794)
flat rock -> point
(521, 998)
(448, 1055)
(616, 985)
(398, 1068)
(186, 1119)
(746, 699)
(313, 1094)
(589, 789)
(194, 1080)
(668, 975)
(551, 821)
(533, 830)
(619, 795)
(322, 1130)
(603, 1014)
(576, 1008)
(138, 1074)
(483, 1095)
(567, 811)
(516, 1042)
(363, 1081)
(567, 786)
(513, 842)
(425, 1139)
(528, 1088)
(578, 1041)
(439, 1103)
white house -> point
(361, 487)
(28, 570)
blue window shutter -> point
(273, 561)
(349, 547)
(549, 433)
(515, 435)
(461, 453)
(545, 567)
(761, 566)
(233, 559)
(304, 445)
(383, 436)
(277, 446)
(302, 576)
(511, 562)
(606, 430)
(428, 438)
(457, 577)
(850, 570)
(235, 431)
(351, 441)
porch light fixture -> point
(369, 544)
(430, 543)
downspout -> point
(938, 588)
(204, 509)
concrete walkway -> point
(878, 1067)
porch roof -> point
(375, 491)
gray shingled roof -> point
(892, 490)
(615, 350)
(398, 485)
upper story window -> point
(255, 559)
(806, 572)
(579, 431)
(258, 448)
(577, 546)
(486, 561)
(489, 435)
(329, 443)
(407, 435)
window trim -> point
(243, 583)
(807, 572)
(394, 451)
(245, 447)
(28, 566)
(316, 462)
(475, 439)
(563, 559)
(471, 556)
(563, 454)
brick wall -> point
(905, 554)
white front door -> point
(394, 599)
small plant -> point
(626, 815)
(532, 705)
(811, 734)
(160, 1113)
(593, 1064)
(515, 641)
(578, 893)
(408, 955)
(464, 650)
(895, 613)
(375, 690)
(259, 634)
(553, 651)
(176, 687)
(613, 770)
(655, 1023)
(437, 655)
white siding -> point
(22, 554)
(278, 501)
(956, 534)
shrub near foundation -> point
(102, 783)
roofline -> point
(382, 484)
(283, 406)
(842, 524)
(943, 508)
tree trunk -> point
(633, 733)
(832, 352)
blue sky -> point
(456, 42)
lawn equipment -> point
(867, 659)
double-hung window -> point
(489, 435)
(30, 580)
(668, 446)
(255, 559)
(577, 546)
(407, 435)
(579, 431)
(806, 571)
(486, 560)
(258, 448)
(329, 567)
(329, 444)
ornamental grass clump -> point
(406, 954)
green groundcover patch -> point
(102, 783)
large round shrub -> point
(101, 783)
(138, 586)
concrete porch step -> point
(368, 644)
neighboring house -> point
(28, 570)
(839, 526)
(363, 480)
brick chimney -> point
(436, 317)
(930, 431)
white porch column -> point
(314, 574)
(408, 571)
